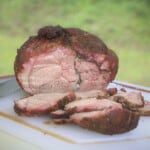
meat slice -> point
(64, 59)
(131, 100)
(102, 116)
(90, 104)
(107, 121)
(42, 103)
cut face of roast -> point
(51, 72)
(61, 71)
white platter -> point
(41, 132)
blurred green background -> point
(124, 25)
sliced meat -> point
(107, 121)
(90, 104)
(64, 59)
(145, 110)
(132, 100)
(102, 116)
(42, 103)
(59, 60)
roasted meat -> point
(64, 59)
(90, 104)
(107, 121)
(66, 72)
(39, 104)
(131, 100)
(102, 116)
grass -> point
(134, 67)
(122, 24)
(8, 46)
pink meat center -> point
(61, 71)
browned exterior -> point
(86, 45)
(111, 122)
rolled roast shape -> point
(64, 59)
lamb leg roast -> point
(58, 61)
(64, 59)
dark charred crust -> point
(18, 110)
(50, 32)
(22, 55)
(113, 58)
(61, 103)
(84, 40)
